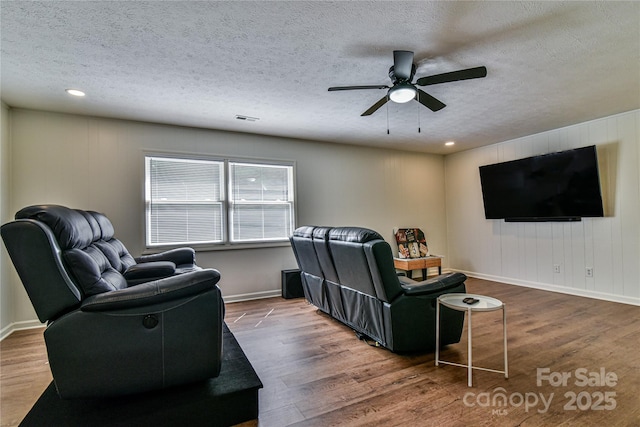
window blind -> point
(184, 201)
(261, 201)
(191, 201)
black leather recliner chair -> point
(116, 325)
(348, 273)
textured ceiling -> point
(550, 64)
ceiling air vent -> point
(246, 118)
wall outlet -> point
(556, 268)
(589, 271)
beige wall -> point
(6, 286)
(93, 163)
(525, 253)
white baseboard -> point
(31, 324)
(252, 296)
(555, 288)
(19, 326)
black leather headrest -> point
(95, 227)
(321, 233)
(354, 234)
(105, 225)
(304, 231)
(70, 228)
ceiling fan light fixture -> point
(402, 92)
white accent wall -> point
(525, 253)
(97, 164)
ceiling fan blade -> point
(469, 73)
(331, 89)
(429, 101)
(402, 64)
(375, 106)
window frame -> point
(232, 203)
(226, 192)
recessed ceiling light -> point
(75, 92)
(449, 143)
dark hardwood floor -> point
(317, 373)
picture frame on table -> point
(411, 243)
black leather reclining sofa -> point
(115, 325)
(348, 273)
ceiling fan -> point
(401, 74)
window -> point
(261, 201)
(196, 201)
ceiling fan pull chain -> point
(387, 118)
(418, 110)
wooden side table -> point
(410, 264)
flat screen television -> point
(562, 186)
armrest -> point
(157, 291)
(404, 280)
(178, 256)
(150, 271)
(433, 285)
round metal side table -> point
(455, 301)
